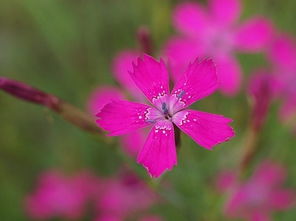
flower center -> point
(218, 41)
(165, 111)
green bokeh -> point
(66, 47)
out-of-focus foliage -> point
(65, 47)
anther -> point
(150, 121)
(164, 109)
(181, 94)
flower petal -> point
(159, 151)
(121, 117)
(204, 128)
(190, 18)
(152, 79)
(254, 35)
(229, 75)
(237, 200)
(125, 194)
(225, 11)
(199, 81)
(132, 142)
(283, 51)
(101, 96)
(122, 65)
(180, 52)
(282, 199)
(269, 174)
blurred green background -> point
(65, 47)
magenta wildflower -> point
(159, 151)
(257, 197)
(115, 198)
(124, 197)
(215, 32)
(283, 57)
(60, 196)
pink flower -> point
(215, 32)
(116, 198)
(257, 197)
(261, 88)
(60, 196)
(283, 57)
(159, 151)
(123, 196)
(226, 180)
(122, 64)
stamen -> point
(181, 94)
(164, 109)
(150, 121)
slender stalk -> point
(177, 137)
(291, 122)
(145, 40)
(69, 112)
(250, 148)
(261, 97)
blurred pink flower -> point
(159, 152)
(67, 197)
(283, 57)
(261, 88)
(101, 96)
(123, 197)
(122, 65)
(262, 194)
(61, 196)
(225, 181)
(215, 32)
